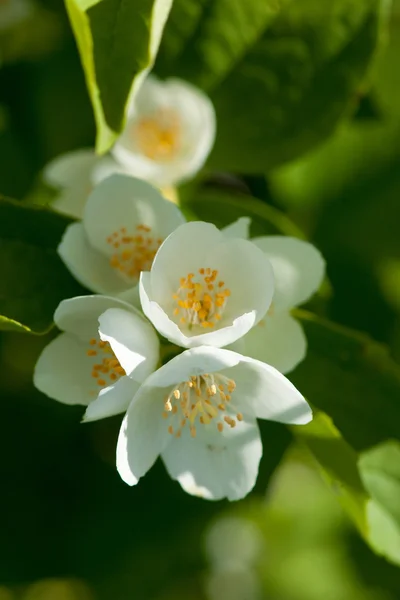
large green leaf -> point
(33, 279)
(118, 41)
(281, 74)
(353, 380)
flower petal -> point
(196, 130)
(105, 167)
(196, 361)
(89, 267)
(183, 251)
(142, 437)
(263, 391)
(121, 201)
(277, 340)
(216, 465)
(298, 266)
(67, 168)
(80, 315)
(238, 229)
(63, 371)
(71, 173)
(112, 400)
(133, 341)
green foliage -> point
(33, 279)
(281, 73)
(353, 380)
(117, 41)
(380, 471)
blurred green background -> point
(70, 528)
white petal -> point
(238, 229)
(72, 174)
(71, 201)
(63, 371)
(121, 201)
(131, 296)
(143, 436)
(133, 341)
(298, 266)
(196, 361)
(64, 170)
(263, 391)
(105, 167)
(196, 117)
(184, 251)
(112, 400)
(277, 340)
(247, 274)
(89, 267)
(80, 315)
(216, 465)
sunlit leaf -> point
(118, 41)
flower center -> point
(106, 368)
(200, 400)
(134, 253)
(158, 136)
(201, 299)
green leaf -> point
(380, 472)
(281, 74)
(118, 41)
(352, 379)
(338, 464)
(367, 487)
(33, 279)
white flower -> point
(278, 339)
(78, 367)
(169, 133)
(124, 222)
(205, 288)
(13, 12)
(199, 412)
(75, 174)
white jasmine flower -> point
(78, 367)
(75, 174)
(125, 220)
(13, 12)
(169, 133)
(278, 339)
(204, 288)
(199, 412)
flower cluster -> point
(217, 301)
